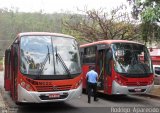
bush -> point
(1, 60)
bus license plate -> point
(54, 95)
(138, 90)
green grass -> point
(1, 60)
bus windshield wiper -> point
(45, 61)
(62, 62)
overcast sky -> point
(51, 6)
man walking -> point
(92, 77)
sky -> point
(51, 6)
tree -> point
(149, 13)
(13, 22)
(99, 25)
(148, 10)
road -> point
(106, 104)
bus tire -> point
(19, 103)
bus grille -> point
(136, 83)
(53, 88)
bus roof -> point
(43, 33)
(109, 42)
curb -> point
(2, 103)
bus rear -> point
(45, 67)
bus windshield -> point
(38, 55)
(131, 59)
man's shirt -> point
(92, 76)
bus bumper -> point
(119, 89)
(25, 96)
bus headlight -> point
(23, 84)
(26, 86)
(78, 83)
(118, 81)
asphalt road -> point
(106, 104)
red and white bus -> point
(155, 56)
(124, 67)
(43, 67)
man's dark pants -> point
(90, 87)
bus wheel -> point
(84, 91)
(19, 103)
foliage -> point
(99, 25)
(149, 13)
(91, 26)
(149, 10)
(1, 60)
(13, 22)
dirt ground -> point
(156, 91)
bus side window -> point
(108, 61)
(82, 55)
(15, 54)
(8, 62)
(89, 54)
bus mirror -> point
(150, 49)
(16, 42)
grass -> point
(1, 64)
(1, 61)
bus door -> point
(14, 73)
(7, 79)
(100, 67)
(83, 68)
(108, 69)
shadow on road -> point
(60, 107)
(119, 98)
